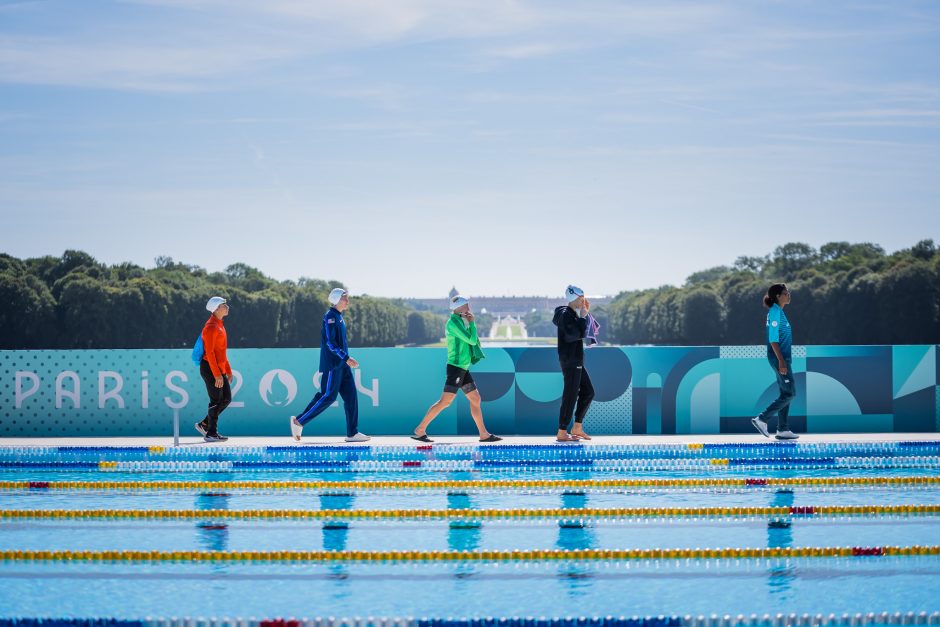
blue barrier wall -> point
(640, 390)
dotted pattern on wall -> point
(742, 352)
(612, 417)
(754, 352)
(38, 415)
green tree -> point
(791, 258)
(86, 312)
(424, 327)
(702, 317)
(907, 304)
(710, 275)
(27, 316)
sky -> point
(508, 147)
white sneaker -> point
(787, 435)
(761, 426)
(359, 437)
(295, 429)
(201, 428)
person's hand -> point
(469, 316)
(782, 367)
(352, 363)
(587, 305)
(219, 381)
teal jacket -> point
(463, 343)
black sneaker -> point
(201, 428)
(215, 437)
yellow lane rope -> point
(447, 514)
(462, 556)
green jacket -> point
(463, 343)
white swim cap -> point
(214, 303)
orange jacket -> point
(215, 341)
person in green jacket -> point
(463, 350)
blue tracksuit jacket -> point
(334, 351)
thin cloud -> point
(47, 60)
(528, 51)
(226, 41)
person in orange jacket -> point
(215, 369)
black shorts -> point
(458, 379)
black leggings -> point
(219, 398)
(578, 389)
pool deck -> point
(406, 442)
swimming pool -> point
(686, 534)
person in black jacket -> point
(571, 320)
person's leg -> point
(569, 396)
(476, 411)
(347, 390)
(225, 399)
(209, 382)
(453, 379)
(215, 397)
(782, 400)
(787, 392)
(324, 398)
(585, 396)
(440, 405)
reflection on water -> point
(780, 535)
(213, 535)
(463, 535)
(336, 535)
(575, 534)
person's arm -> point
(573, 330)
(773, 338)
(209, 337)
(464, 334)
(332, 338)
(781, 362)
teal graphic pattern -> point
(639, 390)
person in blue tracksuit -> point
(779, 354)
(336, 370)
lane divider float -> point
(811, 511)
(485, 484)
(515, 555)
(727, 620)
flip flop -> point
(422, 438)
(492, 438)
(581, 436)
(566, 441)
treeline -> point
(73, 301)
(842, 294)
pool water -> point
(430, 503)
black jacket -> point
(571, 331)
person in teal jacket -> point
(463, 350)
